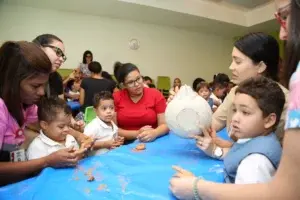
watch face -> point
(218, 152)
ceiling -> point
(162, 14)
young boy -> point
(204, 91)
(255, 156)
(102, 128)
(54, 119)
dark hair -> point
(122, 70)
(95, 67)
(106, 75)
(196, 82)
(151, 85)
(147, 78)
(104, 95)
(46, 39)
(219, 85)
(70, 83)
(260, 47)
(267, 93)
(292, 53)
(221, 78)
(85, 54)
(48, 108)
(19, 61)
(202, 85)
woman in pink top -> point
(24, 72)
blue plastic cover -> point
(120, 174)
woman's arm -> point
(81, 96)
(162, 127)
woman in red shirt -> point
(140, 111)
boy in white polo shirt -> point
(102, 128)
(54, 119)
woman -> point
(54, 48)
(140, 110)
(255, 54)
(286, 182)
(176, 83)
(84, 66)
(92, 85)
(24, 71)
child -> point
(255, 156)
(219, 91)
(72, 91)
(102, 128)
(54, 118)
(204, 91)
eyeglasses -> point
(281, 16)
(132, 83)
(58, 51)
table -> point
(121, 173)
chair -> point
(164, 85)
(89, 114)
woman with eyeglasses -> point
(286, 182)
(140, 111)
(54, 48)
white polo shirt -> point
(42, 146)
(100, 131)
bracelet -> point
(195, 188)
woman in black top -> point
(94, 84)
(55, 50)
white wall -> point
(164, 50)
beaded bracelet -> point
(195, 188)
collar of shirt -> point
(244, 140)
(105, 126)
(70, 140)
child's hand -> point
(63, 158)
(182, 172)
(205, 142)
(79, 125)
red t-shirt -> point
(133, 116)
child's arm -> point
(216, 102)
(255, 168)
(109, 144)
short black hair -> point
(121, 71)
(85, 54)
(267, 93)
(46, 39)
(221, 78)
(95, 67)
(260, 47)
(48, 108)
(103, 95)
(70, 83)
(196, 82)
(147, 78)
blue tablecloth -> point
(120, 174)
(75, 105)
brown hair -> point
(267, 93)
(202, 85)
(19, 61)
(104, 95)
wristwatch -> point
(218, 152)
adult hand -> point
(181, 184)
(64, 158)
(79, 125)
(172, 94)
(147, 135)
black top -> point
(92, 86)
(55, 85)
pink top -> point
(10, 134)
(293, 113)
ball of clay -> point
(187, 112)
(140, 146)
